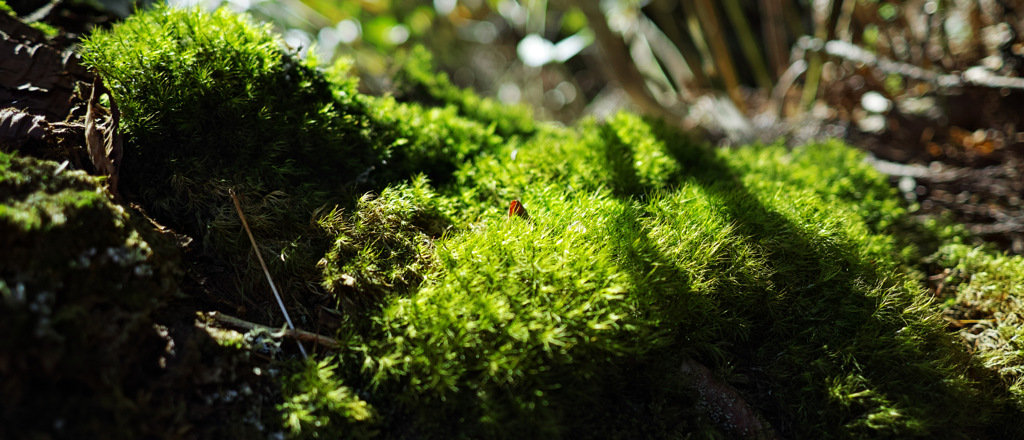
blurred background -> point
(930, 88)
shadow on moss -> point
(836, 329)
(775, 268)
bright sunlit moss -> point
(991, 287)
(385, 248)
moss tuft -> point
(418, 81)
(983, 294)
(317, 405)
(385, 248)
(212, 103)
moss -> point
(516, 313)
(385, 248)
(79, 284)
(982, 292)
(212, 103)
(773, 265)
(417, 81)
(778, 269)
(316, 402)
(435, 141)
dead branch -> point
(975, 76)
(298, 335)
(620, 64)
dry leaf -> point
(103, 140)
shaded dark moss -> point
(79, 282)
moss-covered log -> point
(660, 288)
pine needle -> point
(238, 207)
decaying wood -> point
(298, 335)
(16, 125)
(36, 76)
(725, 405)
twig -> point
(255, 248)
(298, 335)
(975, 76)
(773, 25)
(722, 58)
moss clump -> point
(316, 402)
(433, 141)
(646, 254)
(213, 103)
(983, 293)
(78, 287)
(385, 248)
(788, 287)
(518, 320)
(418, 81)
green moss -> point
(516, 312)
(787, 272)
(418, 81)
(432, 140)
(47, 29)
(79, 284)
(772, 262)
(989, 287)
(316, 403)
(6, 9)
(213, 104)
(385, 248)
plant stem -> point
(238, 207)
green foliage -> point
(385, 248)
(317, 405)
(78, 286)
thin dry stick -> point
(238, 207)
(298, 335)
